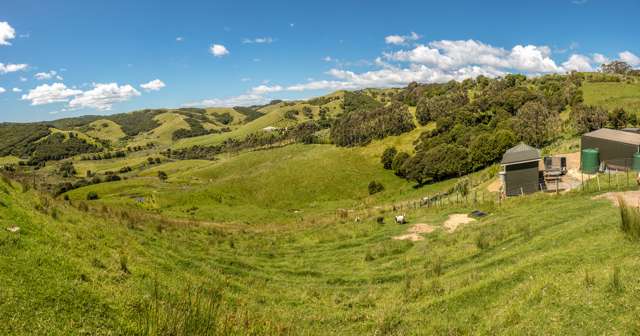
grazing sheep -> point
(400, 219)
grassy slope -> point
(163, 134)
(613, 95)
(327, 276)
(264, 186)
(112, 132)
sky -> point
(68, 58)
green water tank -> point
(590, 160)
(636, 161)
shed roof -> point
(520, 153)
(615, 135)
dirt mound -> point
(455, 220)
(632, 198)
(413, 233)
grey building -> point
(615, 147)
(520, 172)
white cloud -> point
(103, 96)
(16, 90)
(259, 40)
(401, 39)
(600, 58)
(23, 79)
(154, 85)
(262, 89)
(2, 90)
(630, 58)
(6, 68)
(453, 55)
(241, 100)
(327, 59)
(47, 94)
(6, 33)
(48, 75)
(578, 63)
(179, 39)
(218, 50)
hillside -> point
(534, 265)
(280, 218)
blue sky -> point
(70, 58)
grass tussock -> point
(629, 220)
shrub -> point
(92, 195)
(387, 157)
(375, 187)
(162, 176)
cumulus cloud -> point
(6, 33)
(16, 90)
(578, 63)
(103, 96)
(262, 89)
(50, 93)
(401, 39)
(259, 40)
(241, 100)
(218, 50)
(2, 90)
(6, 68)
(600, 58)
(48, 75)
(154, 85)
(447, 54)
(630, 58)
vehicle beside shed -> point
(616, 148)
(520, 173)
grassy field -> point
(248, 187)
(106, 130)
(613, 95)
(535, 265)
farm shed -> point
(616, 147)
(519, 170)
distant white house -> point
(270, 129)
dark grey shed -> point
(520, 173)
(616, 147)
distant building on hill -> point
(519, 171)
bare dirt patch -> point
(632, 198)
(455, 220)
(414, 232)
(495, 185)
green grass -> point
(613, 95)
(262, 186)
(521, 270)
(106, 130)
(9, 160)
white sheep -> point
(400, 219)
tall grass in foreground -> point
(630, 219)
(198, 311)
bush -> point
(375, 187)
(387, 157)
(162, 176)
(92, 195)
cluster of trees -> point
(104, 156)
(57, 147)
(195, 129)
(477, 120)
(251, 113)
(619, 67)
(223, 118)
(16, 138)
(365, 119)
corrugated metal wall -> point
(521, 177)
(610, 150)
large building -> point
(520, 171)
(615, 147)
